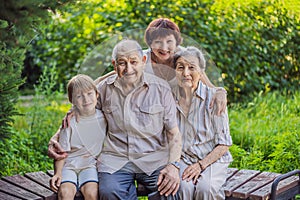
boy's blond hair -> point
(80, 83)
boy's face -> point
(129, 67)
(85, 101)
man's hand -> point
(55, 151)
(168, 180)
(55, 182)
(192, 172)
(220, 99)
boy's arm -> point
(56, 179)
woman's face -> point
(188, 72)
(164, 47)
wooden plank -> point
(255, 183)
(30, 185)
(17, 191)
(231, 172)
(40, 177)
(238, 179)
(8, 197)
(264, 193)
(50, 172)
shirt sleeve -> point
(221, 126)
(65, 139)
(170, 110)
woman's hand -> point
(192, 172)
(220, 99)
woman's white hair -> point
(192, 51)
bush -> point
(10, 67)
(26, 149)
(265, 133)
(254, 43)
(18, 22)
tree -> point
(19, 21)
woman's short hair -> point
(191, 51)
(162, 27)
(80, 83)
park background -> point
(254, 43)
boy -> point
(82, 141)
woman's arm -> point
(219, 98)
(193, 171)
(213, 156)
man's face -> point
(129, 67)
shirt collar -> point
(200, 91)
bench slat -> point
(255, 183)
(265, 192)
(238, 179)
(231, 172)
(8, 197)
(17, 191)
(40, 177)
(30, 185)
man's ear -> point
(144, 59)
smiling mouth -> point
(164, 53)
(131, 74)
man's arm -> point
(175, 144)
(55, 151)
(101, 78)
(168, 179)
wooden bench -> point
(240, 184)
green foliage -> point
(10, 67)
(18, 22)
(265, 133)
(254, 43)
(26, 150)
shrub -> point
(265, 133)
(254, 43)
(26, 150)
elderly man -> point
(143, 142)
